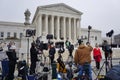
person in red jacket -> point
(97, 55)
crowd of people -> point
(11, 53)
(81, 57)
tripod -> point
(107, 67)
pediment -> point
(60, 8)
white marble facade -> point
(59, 20)
(95, 36)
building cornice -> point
(55, 5)
(60, 4)
(5, 23)
(93, 30)
(11, 23)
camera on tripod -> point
(60, 45)
(41, 45)
(109, 34)
(30, 32)
(106, 47)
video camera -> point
(60, 45)
(30, 32)
(43, 45)
(109, 34)
(105, 47)
(80, 41)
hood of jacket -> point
(81, 46)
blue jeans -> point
(89, 70)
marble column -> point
(64, 28)
(75, 30)
(58, 28)
(52, 25)
(78, 28)
(69, 23)
(39, 28)
(46, 24)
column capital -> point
(58, 16)
(52, 16)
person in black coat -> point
(33, 55)
(11, 53)
(52, 52)
(70, 49)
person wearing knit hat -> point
(82, 57)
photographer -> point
(11, 53)
(33, 55)
(82, 57)
(70, 49)
(106, 48)
(52, 52)
(67, 43)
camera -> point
(60, 45)
(30, 32)
(109, 34)
(49, 36)
(43, 46)
(40, 44)
(80, 41)
(105, 46)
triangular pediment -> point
(61, 7)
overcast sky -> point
(103, 15)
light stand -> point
(89, 28)
(28, 51)
(27, 23)
(111, 53)
(110, 34)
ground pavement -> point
(116, 61)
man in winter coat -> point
(83, 57)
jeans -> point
(89, 70)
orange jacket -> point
(83, 54)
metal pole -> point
(28, 52)
(111, 53)
(88, 34)
(89, 28)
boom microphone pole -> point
(110, 34)
(89, 28)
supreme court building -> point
(60, 20)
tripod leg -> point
(111, 61)
(100, 70)
(94, 72)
